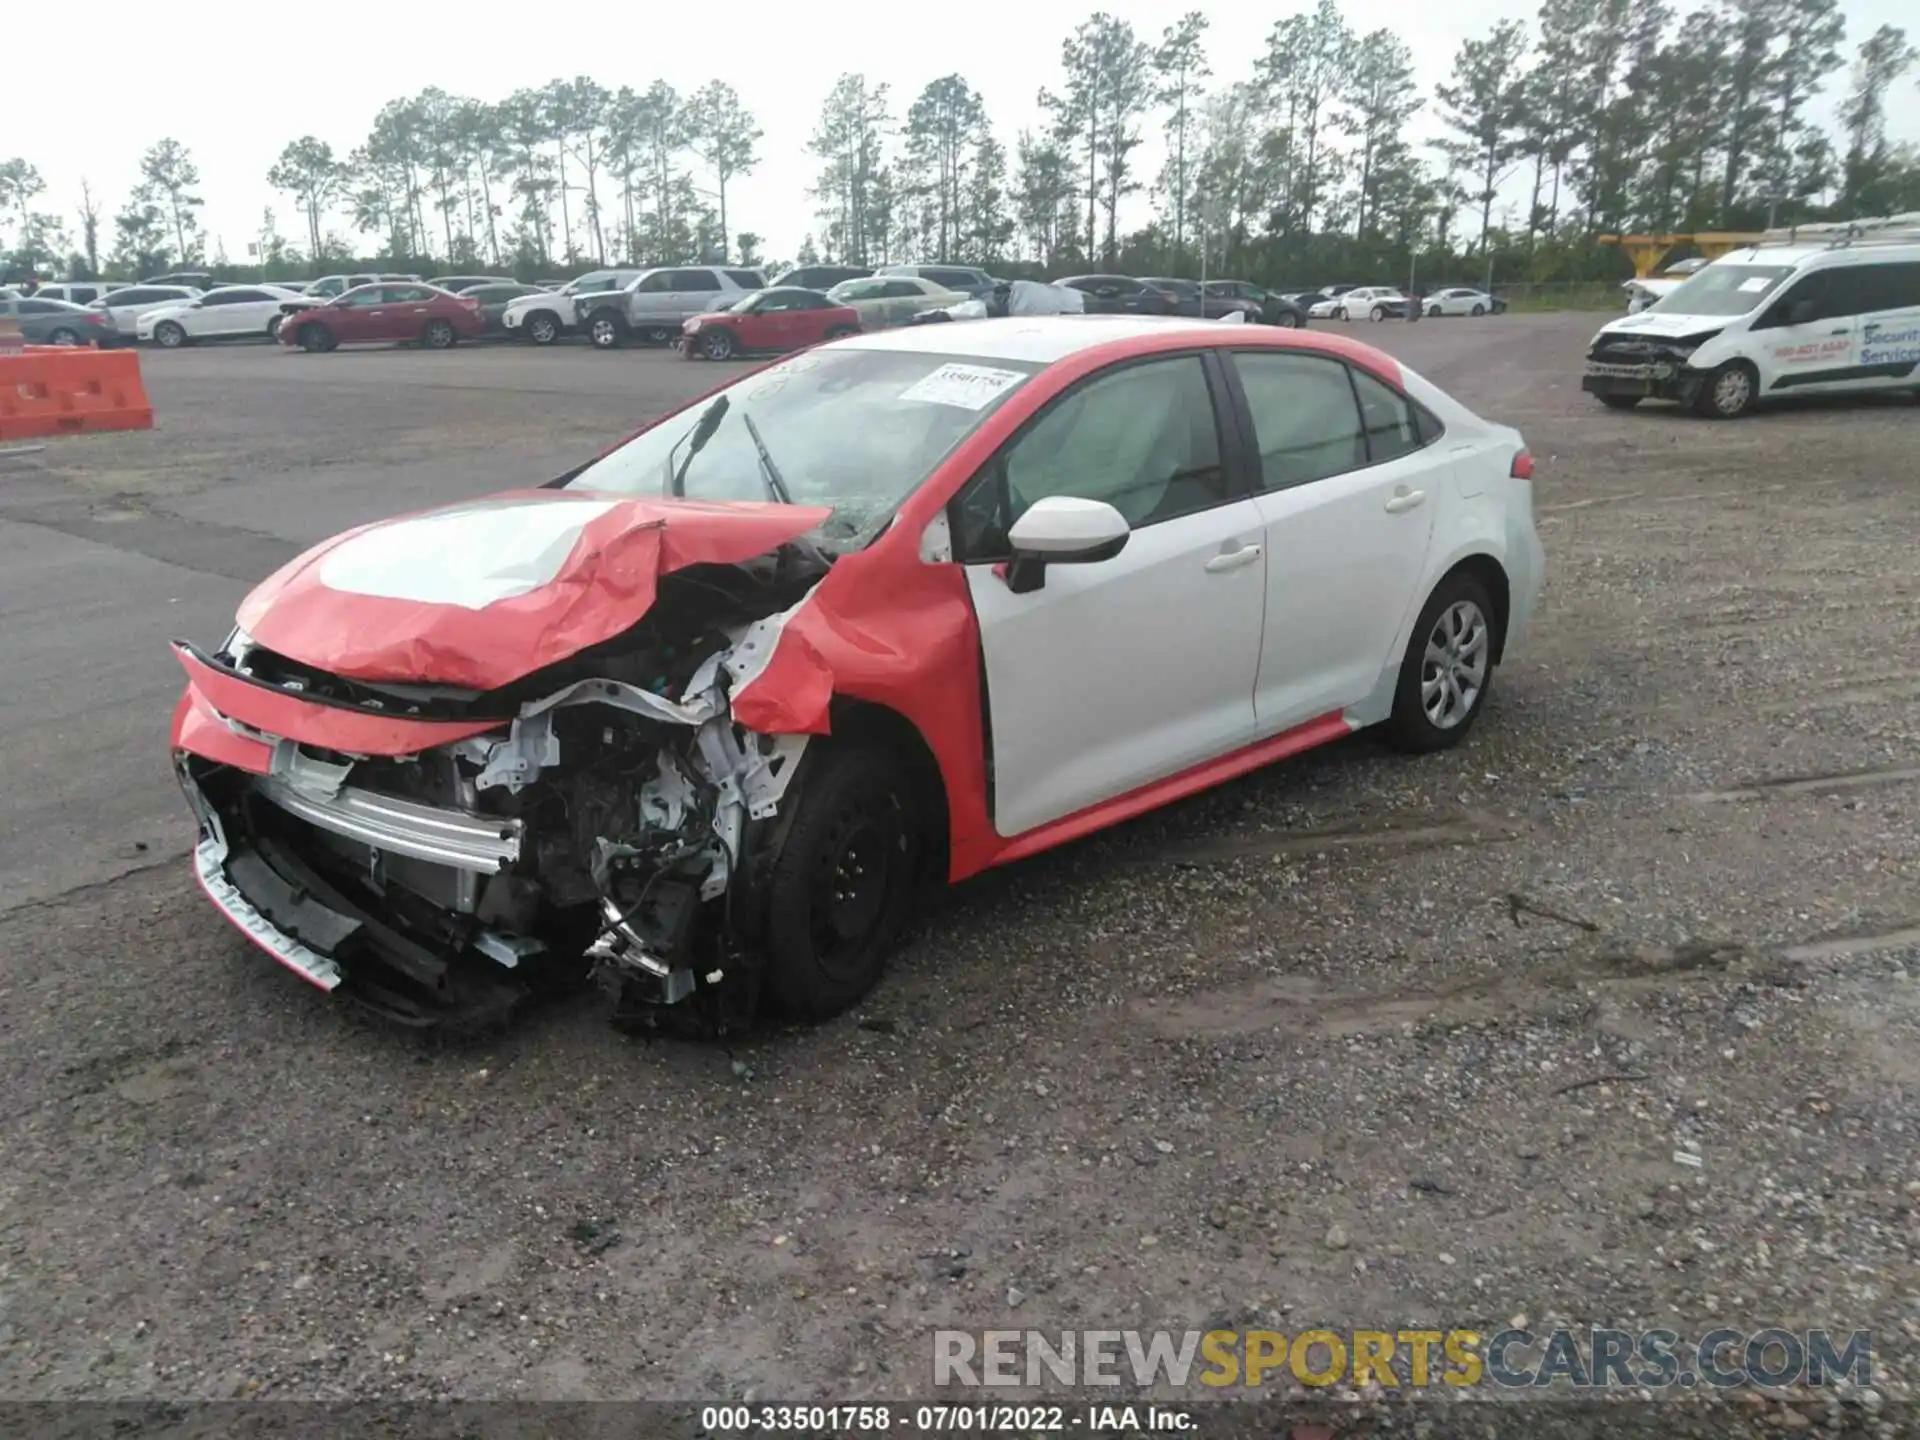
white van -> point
(1815, 310)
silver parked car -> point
(656, 304)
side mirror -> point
(1062, 530)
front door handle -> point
(1405, 500)
(1841, 331)
(1233, 559)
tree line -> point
(1601, 116)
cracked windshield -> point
(854, 430)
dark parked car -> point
(56, 322)
(372, 314)
(820, 277)
(1185, 295)
(1120, 295)
(1307, 299)
(1269, 308)
(197, 279)
(494, 297)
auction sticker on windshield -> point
(969, 387)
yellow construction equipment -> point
(1648, 252)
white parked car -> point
(1323, 309)
(125, 307)
(887, 300)
(231, 312)
(1010, 582)
(1461, 300)
(1371, 302)
(545, 317)
(80, 292)
(1645, 294)
(1818, 310)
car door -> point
(1349, 488)
(359, 315)
(218, 315)
(1115, 674)
(778, 322)
(1890, 325)
(1808, 336)
(691, 292)
(405, 311)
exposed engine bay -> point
(607, 825)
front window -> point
(1724, 290)
(854, 430)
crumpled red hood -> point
(478, 594)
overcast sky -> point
(234, 87)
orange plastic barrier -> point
(60, 390)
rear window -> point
(747, 279)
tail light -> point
(1523, 465)
(94, 317)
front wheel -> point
(273, 327)
(843, 885)
(1288, 320)
(543, 329)
(169, 335)
(439, 335)
(1378, 314)
(1727, 393)
(605, 331)
(315, 338)
(1447, 670)
(717, 344)
(1478, 311)
(1433, 312)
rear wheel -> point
(717, 344)
(169, 334)
(1378, 314)
(1433, 312)
(1479, 310)
(439, 335)
(841, 332)
(543, 329)
(273, 327)
(842, 887)
(1727, 393)
(63, 337)
(315, 338)
(1447, 670)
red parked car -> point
(772, 321)
(385, 314)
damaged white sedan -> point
(700, 718)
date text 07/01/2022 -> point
(935, 1419)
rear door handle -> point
(1233, 559)
(1405, 500)
(1841, 331)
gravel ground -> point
(1359, 1042)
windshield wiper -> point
(776, 487)
(695, 440)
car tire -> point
(1433, 312)
(1478, 311)
(717, 344)
(314, 339)
(1728, 392)
(842, 886)
(839, 332)
(169, 335)
(273, 326)
(542, 328)
(439, 335)
(605, 331)
(1447, 670)
(1378, 314)
(63, 337)
(1620, 402)
(1287, 320)
(1342, 315)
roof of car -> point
(1045, 339)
